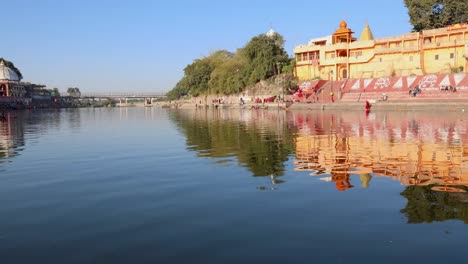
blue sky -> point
(105, 45)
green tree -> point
(430, 14)
(54, 92)
(74, 92)
(228, 77)
(264, 54)
(224, 72)
(10, 65)
(180, 90)
(197, 76)
(289, 66)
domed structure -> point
(7, 74)
(270, 33)
(343, 34)
(343, 24)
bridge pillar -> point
(120, 102)
(126, 101)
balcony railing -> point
(445, 44)
(409, 49)
(362, 44)
(306, 48)
(437, 31)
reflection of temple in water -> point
(415, 149)
(11, 135)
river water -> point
(151, 185)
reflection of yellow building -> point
(342, 56)
(411, 162)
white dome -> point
(270, 33)
(7, 74)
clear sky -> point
(144, 45)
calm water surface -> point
(149, 185)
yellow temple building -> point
(342, 56)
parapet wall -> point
(405, 83)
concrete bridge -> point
(147, 97)
(118, 95)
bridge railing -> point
(124, 94)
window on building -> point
(380, 59)
(452, 55)
(437, 57)
(299, 57)
(410, 58)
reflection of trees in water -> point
(260, 142)
(425, 205)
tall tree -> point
(228, 77)
(264, 55)
(429, 14)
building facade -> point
(342, 56)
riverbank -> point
(382, 105)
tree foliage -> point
(54, 92)
(224, 72)
(74, 92)
(264, 55)
(10, 65)
(430, 14)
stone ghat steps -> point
(405, 96)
